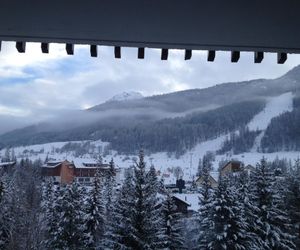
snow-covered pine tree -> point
(13, 155)
(205, 210)
(1, 189)
(69, 228)
(6, 157)
(249, 210)
(51, 209)
(152, 180)
(121, 230)
(94, 212)
(200, 168)
(109, 185)
(273, 223)
(5, 214)
(228, 224)
(293, 200)
(170, 237)
(145, 214)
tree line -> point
(256, 210)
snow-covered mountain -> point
(126, 96)
(171, 127)
(86, 151)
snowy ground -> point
(274, 107)
(189, 161)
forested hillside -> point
(180, 134)
(239, 142)
(176, 122)
(284, 131)
(175, 135)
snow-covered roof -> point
(2, 164)
(191, 199)
(51, 165)
(215, 175)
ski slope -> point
(274, 107)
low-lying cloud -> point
(34, 86)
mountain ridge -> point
(160, 111)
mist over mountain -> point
(172, 122)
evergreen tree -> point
(293, 200)
(109, 186)
(68, 228)
(152, 180)
(6, 157)
(273, 222)
(249, 210)
(13, 156)
(50, 213)
(145, 213)
(5, 214)
(199, 171)
(94, 212)
(228, 224)
(171, 229)
(205, 211)
(122, 232)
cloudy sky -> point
(34, 86)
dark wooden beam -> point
(94, 50)
(258, 56)
(235, 56)
(154, 25)
(188, 54)
(164, 54)
(141, 53)
(45, 48)
(211, 55)
(117, 52)
(70, 48)
(21, 47)
(281, 58)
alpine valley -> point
(241, 120)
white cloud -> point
(36, 85)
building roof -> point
(232, 25)
(191, 199)
(9, 163)
(234, 163)
(212, 175)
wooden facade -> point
(66, 172)
(213, 183)
(231, 167)
(181, 206)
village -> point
(185, 193)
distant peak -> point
(126, 96)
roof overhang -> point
(231, 25)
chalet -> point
(188, 204)
(231, 167)
(212, 181)
(181, 205)
(65, 172)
